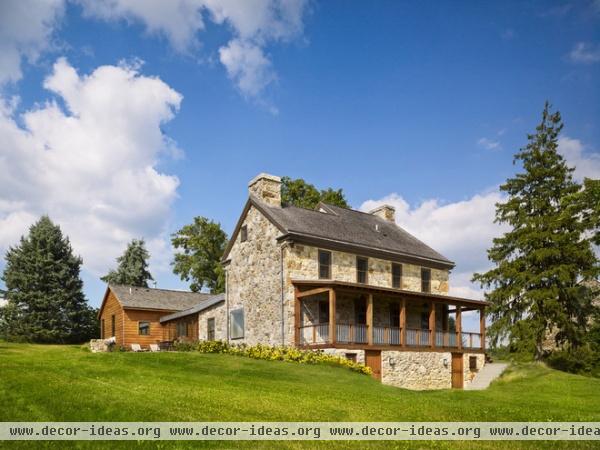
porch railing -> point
(471, 340)
(386, 335)
(351, 333)
(417, 337)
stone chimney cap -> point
(264, 176)
(387, 212)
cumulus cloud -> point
(92, 163)
(253, 23)
(26, 27)
(587, 164)
(462, 231)
(585, 53)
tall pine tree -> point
(540, 263)
(132, 266)
(45, 297)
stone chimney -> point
(267, 188)
(386, 212)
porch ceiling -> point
(466, 303)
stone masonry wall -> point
(469, 374)
(254, 283)
(219, 313)
(416, 370)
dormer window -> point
(425, 280)
(324, 265)
(244, 233)
(362, 269)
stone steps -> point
(485, 376)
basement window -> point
(244, 233)
(473, 362)
(144, 328)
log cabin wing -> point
(132, 315)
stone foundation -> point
(345, 353)
(98, 346)
(417, 370)
(469, 374)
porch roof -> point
(368, 288)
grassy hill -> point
(64, 383)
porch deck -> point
(399, 331)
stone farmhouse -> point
(335, 279)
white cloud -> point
(253, 23)
(462, 231)
(247, 66)
(587, 164)
(586, 53)
(489, 144)
(25, 31)
(93, 166)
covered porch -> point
(348, 315)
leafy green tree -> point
(132, 266)
(305, 195)
(540, 262)
(202, 245)
(45, 297)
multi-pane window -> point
(362, 269)
(425, 280)
(236, 323)
(323, 311)
(396, 275)
(112, 325)
(324, 264)
(144, 328)
(244, 233)
(210, 329)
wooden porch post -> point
(432, 324)
(370, 319)
(402, 321)
(459, 326)
(482, 327)
(332, 311)
(297, 316)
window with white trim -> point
(236, 324)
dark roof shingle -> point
(350, 227)
(149, 298)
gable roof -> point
(133, 297)
(346, 229)
(211, 301)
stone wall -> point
(469, 374)
(253, 281)
(417, 370)
(219, 313)
(302, 263)
(344, 353)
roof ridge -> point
(161, 289)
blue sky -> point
(418, 104)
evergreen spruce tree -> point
(540, 263)
(133, 266)
(45, 298)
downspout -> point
(227, 303)
(282, 297)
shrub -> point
(581, 360)
(269, 353)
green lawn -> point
(65, 383)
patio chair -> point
(154, 348)
(136, 348)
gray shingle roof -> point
(348, 226)
(213, 300)
(148, 298)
